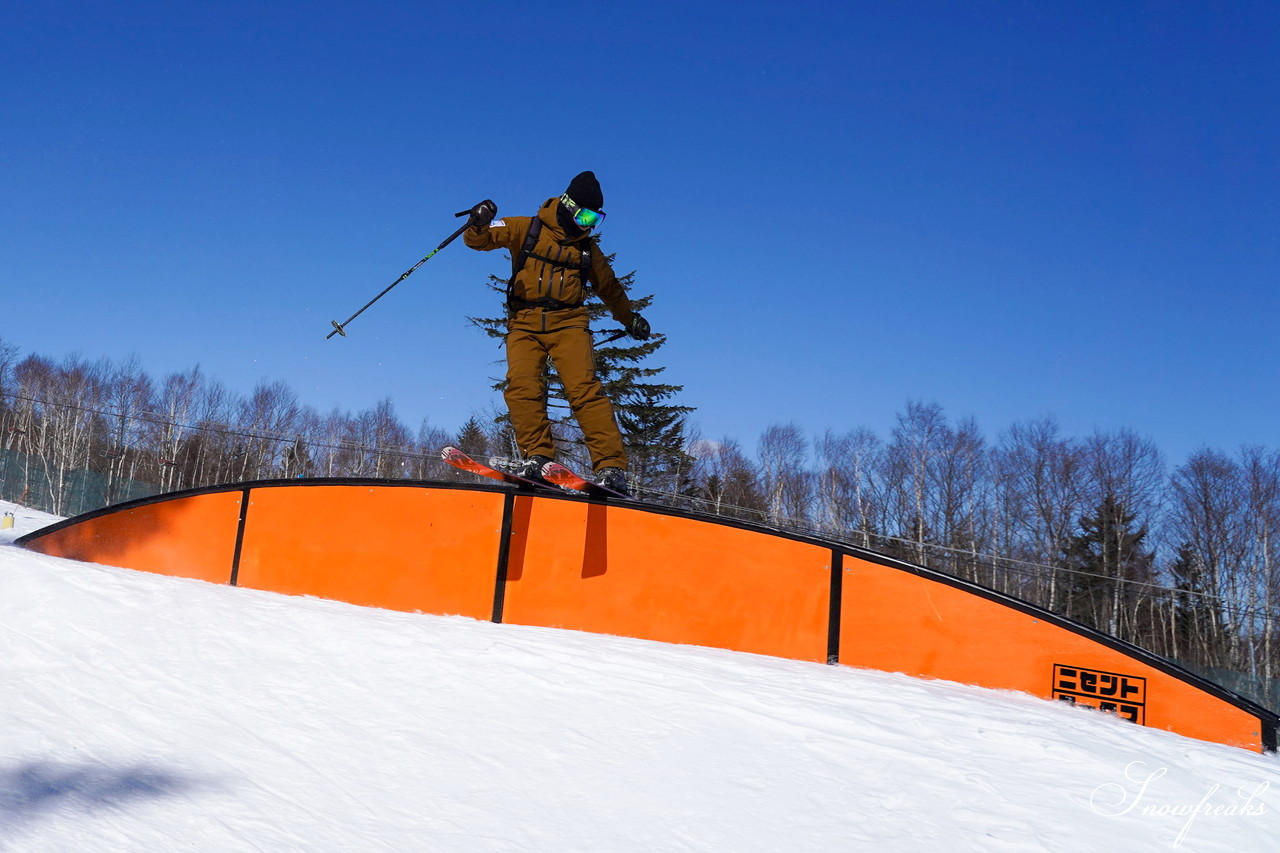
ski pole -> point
(618, 334)
(338, 328)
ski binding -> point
(554, 472)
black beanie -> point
(585, 191)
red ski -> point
(462, 461)
(555, 477)
(554, 472)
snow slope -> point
(148, 713)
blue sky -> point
(1010, 209)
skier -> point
(554, 257)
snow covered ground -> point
(146, 713)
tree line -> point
(80, 434)
(1184, 561)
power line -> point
(805, 526)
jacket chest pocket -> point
(559, 272)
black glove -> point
(638, 328)
(482, 214)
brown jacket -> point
(540, 279)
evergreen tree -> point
(652, 426)
(472, 439)
(655, 434)
(1108, 558)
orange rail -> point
(639, 571)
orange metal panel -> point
(627, 571)
(188, 537)
(611, 569)
(897, 621)
(398, 547)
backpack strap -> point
(526, 251)
(585, 264)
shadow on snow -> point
(34, 789)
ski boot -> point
(615, 479)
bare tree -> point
(9, 404)
(175, 415)
(62, 419)
(919, 437)
(961, 482)
(269, 414)
(388, 441)
(31, 378)
(1126, 475)
(1261, 475)
(427, 464)
(129, 398)
(730, 482)
(334, 450)
(1041, 486)
(8, 358)
(212, 450)
(1127, 466)
(849, 494)
(784, 477)
(1207, 519)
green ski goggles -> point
(582, 217)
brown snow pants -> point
(570, 349)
